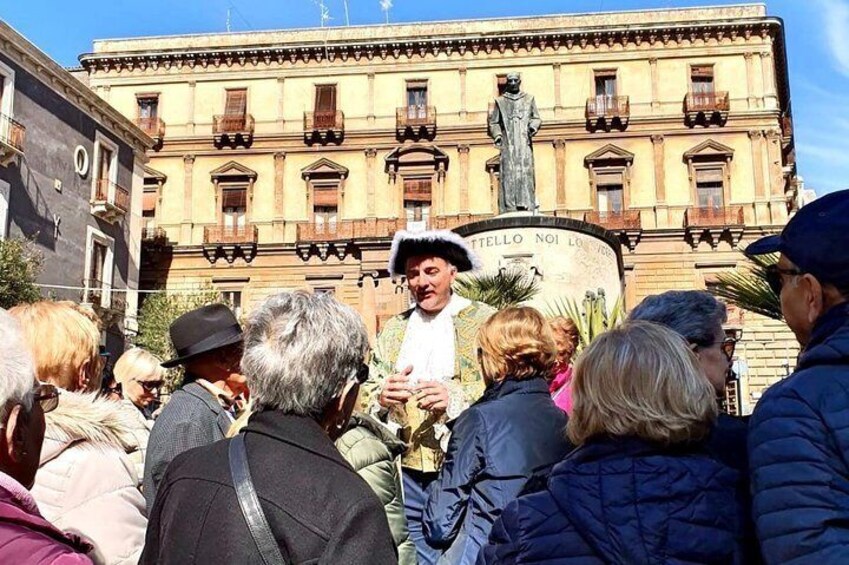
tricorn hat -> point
(437, 243)
(203, 330)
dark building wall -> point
(54, 128)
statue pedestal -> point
(568, 257)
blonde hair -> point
(641, 380)
(516, 343)
(62, 338)
(138, 362)
(566, 337)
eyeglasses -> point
(773, 277)
(150, 386)
(729, 344)
(47, 396)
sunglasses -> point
(729, 344)
(774, 278)
(150, 386)
(47, 396)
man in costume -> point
(424, 369)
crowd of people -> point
(464, 436)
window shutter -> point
(237, 102)
(325, 196)
(234, 198)
(149, 201)
(325, 98)
(417, 190)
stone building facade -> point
(71, 179)
(287, 159)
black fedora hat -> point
(203, 330)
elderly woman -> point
(566, 338)
(698, 317)
(25, 536)
(640, 488)
(304, 360)
(86, 483)
(496, 445)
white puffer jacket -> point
(86, 483)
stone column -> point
(281, 97)
(107, 93)
(755, 139)
(776, 173)
(661, 211)
(371, 155)
(558, 95)
(190, 123)
(655, 94)
(279, 223)
(750, 80)
(463, 108)
(186, 224)
(463, 150)
(560, 175)
(768, 70)
(368, 302)
(370, 116)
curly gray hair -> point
(693, 314)
(300, 350)
(17, 373)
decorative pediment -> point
(232, 170)
(417, 155)
(609, 153)
(152, 176)
(324, 168)
(709, 150)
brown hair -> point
(516, 343)
(642, 380)
(566, 337)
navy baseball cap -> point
(816, 239)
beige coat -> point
(86, 483)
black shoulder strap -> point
(249, 502)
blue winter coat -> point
(799, 453)
(496, 445)
(626, 501)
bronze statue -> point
(512, 125)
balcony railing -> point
(110, 200)
(230, 235)
(415, 121)
(714, 217)
(707, 106)
(12, 135)
(154, 235)
(608, 107)
(234, 127)
(154, 127)
(324, 125)
(615, 221)
(350, 230)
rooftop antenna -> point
(228, 20)
(324, 12)
(347, 16)
(386, 5)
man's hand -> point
(396, 391)
(432, 396)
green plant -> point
(748, 289)
(156, 314)
(591, 317)
(20, 265)
(500, 290)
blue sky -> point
(817, 37)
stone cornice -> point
(40, 66)
(599, 38)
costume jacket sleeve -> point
(800, 480)
(448, 496)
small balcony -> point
(608, 112)
(230, 242)
(786, 131)
(349, 230)
(154, 127)
(705, 108)
(415, 122)
(111, 201)
(713, 223)
(109, 305)
(154, 239)
(324, 127)
(627, 224)
(233, 129)
(12, 135)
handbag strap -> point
(268, 548)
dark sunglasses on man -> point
(47, 395)
(774, 277)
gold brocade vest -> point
(419, 427)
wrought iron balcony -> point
(615, 221)
(154, 127)
(12, 135)
(111, 200)
(415, 122)
(714, 217)
(607, 112)
(324, 126)
(153, 234)
(705, 107)
(349, 230)
(234, 128)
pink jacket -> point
(561, 390)
(26, 537)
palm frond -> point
(500, 290)
(591, 318)
(748, 289)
